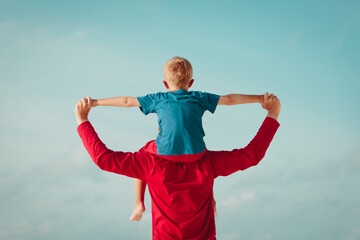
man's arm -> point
(124, 163)
(123, 101)
(228, 162)
(234, 99)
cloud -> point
(15, 230)
(235, 202)
(353, 159)
(346, 28)
(294, 39)
(289, 169)
(66, 171)
(264, 237)
(230, 236)
(56, 195)
(81, 33)
(354, 234)
(346, 165)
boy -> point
(179, 116)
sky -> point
(53, 53)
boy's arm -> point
(233, 99)
(123, 101)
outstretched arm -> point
(125, 163)
(228, 162)
(123, 101)
(234, 99)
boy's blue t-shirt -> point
(180, 119)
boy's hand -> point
(272, 104)
(82, 109)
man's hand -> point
(272, 104)
(82, 109)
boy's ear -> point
(191, 82)
(166, 84)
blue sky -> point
(52, 53)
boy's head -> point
(178, 73)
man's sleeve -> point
(210, 101)
(227, 162)
(147, 103)
(125, 163)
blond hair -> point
(178, 71)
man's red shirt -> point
(181, 191)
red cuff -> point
(272, 120)
(83, 125)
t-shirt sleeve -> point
(210, 101)
(147, 103)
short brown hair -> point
(178, 71)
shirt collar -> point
(180, 91)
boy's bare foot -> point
(137, 212)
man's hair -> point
(178, 71)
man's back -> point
(181, 197)
(181, 193)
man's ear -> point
(166, 84)
(191, 82)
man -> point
(181, 193)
